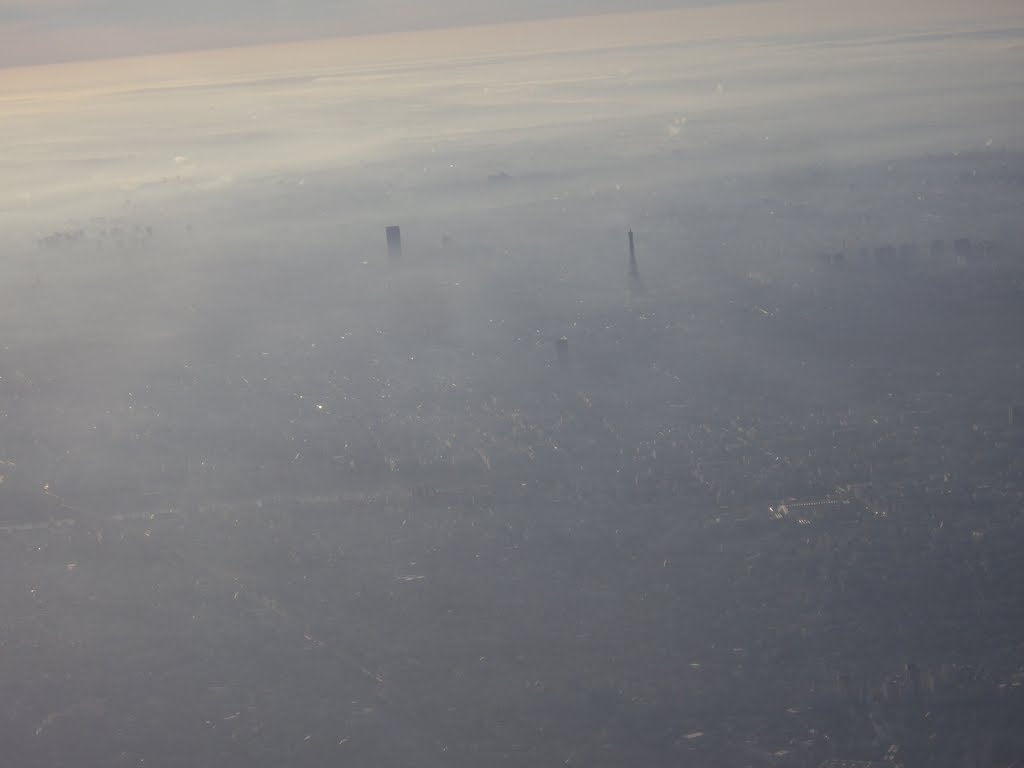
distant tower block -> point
(562, 350)
(394, 236)
(634, 268)
(963, 251)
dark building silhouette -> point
(562, 350)
(394, 238)
(938, 250)
(964, 250)
(634, 268)
(913, 680)
(829, 258)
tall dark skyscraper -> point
(634, 268)
(394, 237)
(562, 350)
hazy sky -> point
(47, 31)
(808, 78)
(41, 31)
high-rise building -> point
(394, 238)
(964, 250)
(562, 350)
(634, 267)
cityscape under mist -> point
(598, 392)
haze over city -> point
(575, 384)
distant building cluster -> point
(100, 233)
(961, 252)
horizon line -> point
(268, 38)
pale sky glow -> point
(42, 31)
(115, 127)
(23, 28)
(58, 30)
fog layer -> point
(269, 496)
